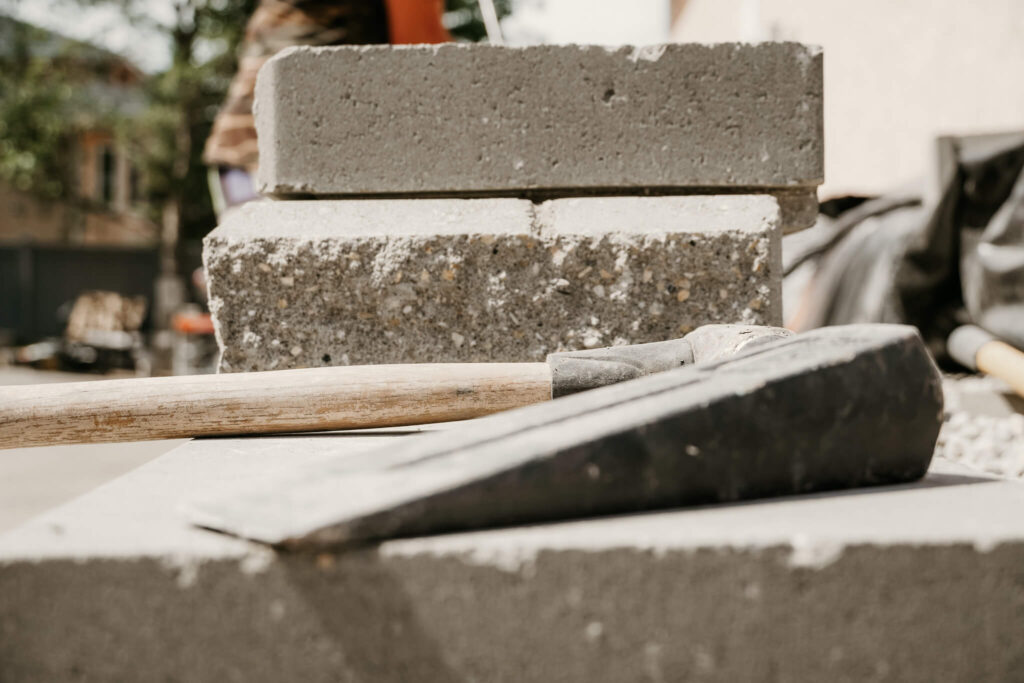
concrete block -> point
(919, 582)
(459, 120)
(328, 282)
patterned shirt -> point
(275, 25)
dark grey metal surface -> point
(830, 409)
(575, 371)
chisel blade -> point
(834, 408)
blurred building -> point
(897, 74)
(61, 103)
(104, 204)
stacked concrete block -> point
(477, 203)
(302, 284)
(544, 121)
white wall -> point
(599, 22)
(897, 73)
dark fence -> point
(37, 280)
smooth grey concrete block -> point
(913, 583)
(460, 120)
(329, 282)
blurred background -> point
(106, 105)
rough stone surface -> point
(331, 282)
(912, 583)
(553, 120)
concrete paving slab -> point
(544, 121)
(33, 480)
(920, 582)
(329, 282)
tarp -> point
(948, 253)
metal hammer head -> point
(574, 371)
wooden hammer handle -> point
(1001, 360)
(265, 402)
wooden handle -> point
(1001, 360)
(265, 402)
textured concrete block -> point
(921, 582)
(546, 120)
(310, 283)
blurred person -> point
(231, 150)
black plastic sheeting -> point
(936, 258)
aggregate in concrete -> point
(553, 120)
(913, 583)
(332, 282)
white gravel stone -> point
(991, 442)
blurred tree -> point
(47, 91)
(34, 129)
(183, 101)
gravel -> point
(983, 429)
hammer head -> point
(574, 371)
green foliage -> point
(183, 102)
(33, 132)
(467, 22)
(42, 100)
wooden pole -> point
(265, 402)
(1001, 360)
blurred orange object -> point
(416, 22)
(192, 323)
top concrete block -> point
(548, 120)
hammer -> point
(349, 397)
(837, 407)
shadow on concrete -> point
(948, 479)
(931, 481)
(370, 617)
(314, 435)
